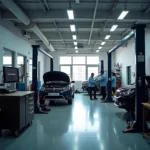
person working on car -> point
(103, 84)
(92, 86)
(113, 82)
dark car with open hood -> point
(57, 86)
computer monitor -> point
(10, 74)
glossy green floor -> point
(86, 125)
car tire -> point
(70, 102)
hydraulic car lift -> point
(140, 73)
(36, 48)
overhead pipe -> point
(122, 42)
(94, 15)
(14, 8)
(45, 53)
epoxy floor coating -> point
(86, 125)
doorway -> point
(128, 75)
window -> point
(78, 60)
(92, 70)
(79, 73)
(66, 69)
(7, 60)
(65, 60)
(93, 60)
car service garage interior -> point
(74, 74)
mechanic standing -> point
(103, 84)
(92, 86)
(113, 82)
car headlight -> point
(67, 88)
(42, 88)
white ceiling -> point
(51, 17)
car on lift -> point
(57, 86)
(85, 84)
(124, 97)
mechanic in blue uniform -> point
(103, 84)
(92, 86)
(113, 82)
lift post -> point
(34, 76)
(140, 72)
(51, 64)
(109, 87)
(102, 65)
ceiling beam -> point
(59, 33)
(115, 2)
(94, 16)
(43, 7)
(77, 1)
(81, 15)
(85, 1)
(47, 5)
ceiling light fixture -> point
(74, 37)
(77, 51)
(97, 51)
(75, 43)
(103, 43)
(113, 28)
(100, 47)
(72, 27)
(123, 14)
(107, 37)
(76, 47)
(70, 14)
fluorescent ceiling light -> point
(107, 37)
(97, 51)
(77, 51)
(75, 43)
(103, 43)
(76, 47)
(70, 14)
(113, 28)
(74, 37)
(123, 14)
(73, 28)
(100, 47)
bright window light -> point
(113, 28)
(103, 43)
(123, 14)
(77, 51)
(70, 14)
(76, 47)
(107, 37)
(72, 27)
(100, 47)
(74, 37)
(75, 43)
(97, 51)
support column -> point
(34, 76)
(109, 88)
(102, 65)
(140, 72)
(51, 64)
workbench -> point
(146, 112)
(16, 110)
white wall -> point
(12, 39)
(126, 57)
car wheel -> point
(70, 101)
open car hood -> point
(56, 76)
